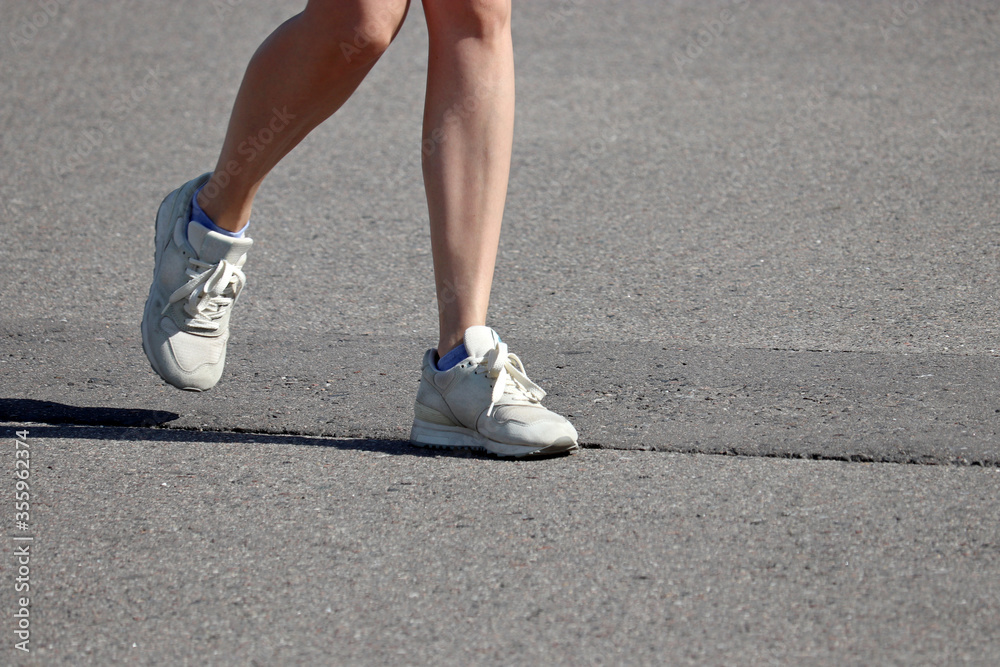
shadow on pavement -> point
(174, 435)
(131, 424)
(50, 412)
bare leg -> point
(299, 76)
(468, 133)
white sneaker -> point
(197, 277)
(487, 402)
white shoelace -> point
(509, 373)
(212, 288)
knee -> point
(355, 33)
(376, 26)
(481, 19)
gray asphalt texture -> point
(751, 249)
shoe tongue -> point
(480, 340)
(213, 247)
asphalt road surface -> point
(751, 248)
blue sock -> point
(453, 358)
(199, 216)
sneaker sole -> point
(437, 436)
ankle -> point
(451, 358)
(213, 206)
(199, 216)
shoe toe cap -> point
(527, 425)
(187, 361)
